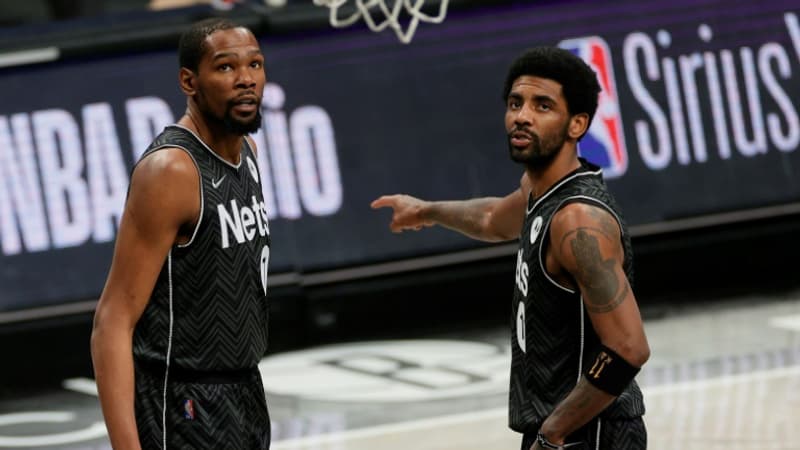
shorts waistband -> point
(183, 375)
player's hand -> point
(407, 212)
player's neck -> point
(221, 141)
(544, 177)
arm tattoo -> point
(596, 275)
(610, 306)
(462, 216)
(580, 398)
(608, 227)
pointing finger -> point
(381, 202)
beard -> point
(228, 122)
(540, 152)
(241, 127)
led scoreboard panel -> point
(697, 117)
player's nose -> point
(245, 79)
(524, 116)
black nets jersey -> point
(208, 310)
(552, 337)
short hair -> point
(578, 80)
(192, 44)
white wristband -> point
(544, 443)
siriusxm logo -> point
(604, 143)
(243, 222)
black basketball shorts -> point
(216, 413)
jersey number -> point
(521, 326)
(264, 267)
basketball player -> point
(577, 334)
(182, 320)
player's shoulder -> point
(580, 231)
(525, 184)
(581, 209)
(165, 185)
(588, 216)
(252, 144)
(170, 165)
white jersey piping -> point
(597, 437)
(199, 174)
(583, 343)
(546, 231)
(255, 159)
(169, 353)
(562, 182)
(202, 202)
(223, 160)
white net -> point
(392, 16)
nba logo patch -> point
(604, 143)
(188, 409)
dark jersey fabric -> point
(552, 337)
(206, 322)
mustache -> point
(522, 130)
(246, 95)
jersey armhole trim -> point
(202, 202)
(200, 179)
(546, 233)
(542, 265)
(208, 149)
(252, 153)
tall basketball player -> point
(577, 335)
(182, 320)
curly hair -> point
(192, 43)
(578, 80)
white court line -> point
(81, 385)
(93, 431)
(401, 427)
(721, 381)
(36, 55)
(87, 386)
(499, 413)
(786, 322)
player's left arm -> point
(585, 242)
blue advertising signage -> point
(696, 118)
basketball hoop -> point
(391, 15)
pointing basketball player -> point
(182, 321)
(577, 334)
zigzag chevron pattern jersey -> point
(214, 287)
(552, 336)
(208, 315)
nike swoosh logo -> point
(215, 183)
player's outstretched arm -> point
(585, 242)
(491, 219)
(164, 195)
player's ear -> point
(578, 125)
(187, 80)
